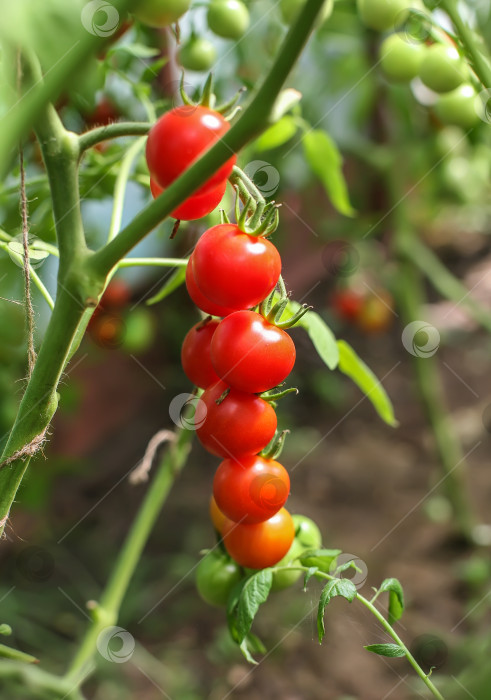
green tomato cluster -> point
(439, 66)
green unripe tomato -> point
(383, 14)
(307, 532)
(459, 107)
(307, 536)
(442, 68)
(139, 331)
(290, 8)
(228, 18)
(451, 141)
(159, 13)
(197, 54)
(401, 58)
(216, 575)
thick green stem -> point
(107, 610)
(38, 682)
(255, 117)
(479, 62)
(112, 131)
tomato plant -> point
(260, 545)
(179, 137)
(195, 354)
(228, 18)
(216, 576)
(202, 302)
(250, 489)
(233, 268)
(239, 423)
(251, 354)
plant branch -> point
(153, 262)
(111, 131)
(480, 64)
(443, 280)
(385, 624)
(120, 187)
(253, 120)
(107, 611)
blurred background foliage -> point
(367, 485)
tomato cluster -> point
(235, 360)
(437, 62)
(176, 140)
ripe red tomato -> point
(196, 206)
(259, 545)
(195, 354)
(241, 424)
(217, 517)
(209, 307)
(234, 268)
(250, 354)
(179, 137)
(347, 303)
(250, 489)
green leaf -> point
(174, 282)
(254, 593)
(320, 334)
(252, 645)
(347, 565)
(391, 650)
(354, 367)
(277, 135)
(152, 71)
(308, 575)
(396, 598)
(326, 162)
(322, 559)
(338, 587)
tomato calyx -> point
(273, 308)
(208, 99)
(274, 449)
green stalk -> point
(253, 120)
(112, 131)
(385, 624)
(107, 610)
(479, 62)
(120, 187)
(153, 262)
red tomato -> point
(104, 113)
(179, 137)
(217, 517)
(234, 268)
(209, 307)
(195, 354)
(250, 354)
(241, 424)
(260, 545)
(376, 314)
(250, 489)
(196, 206)
(347, 303)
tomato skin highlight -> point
(197, 206)
(250, 489)
(206, 305)
(179, 138)
(259, 545)
(195, 354)
(234, 268)
(216, 575)
(241, 424)
(250, 354)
